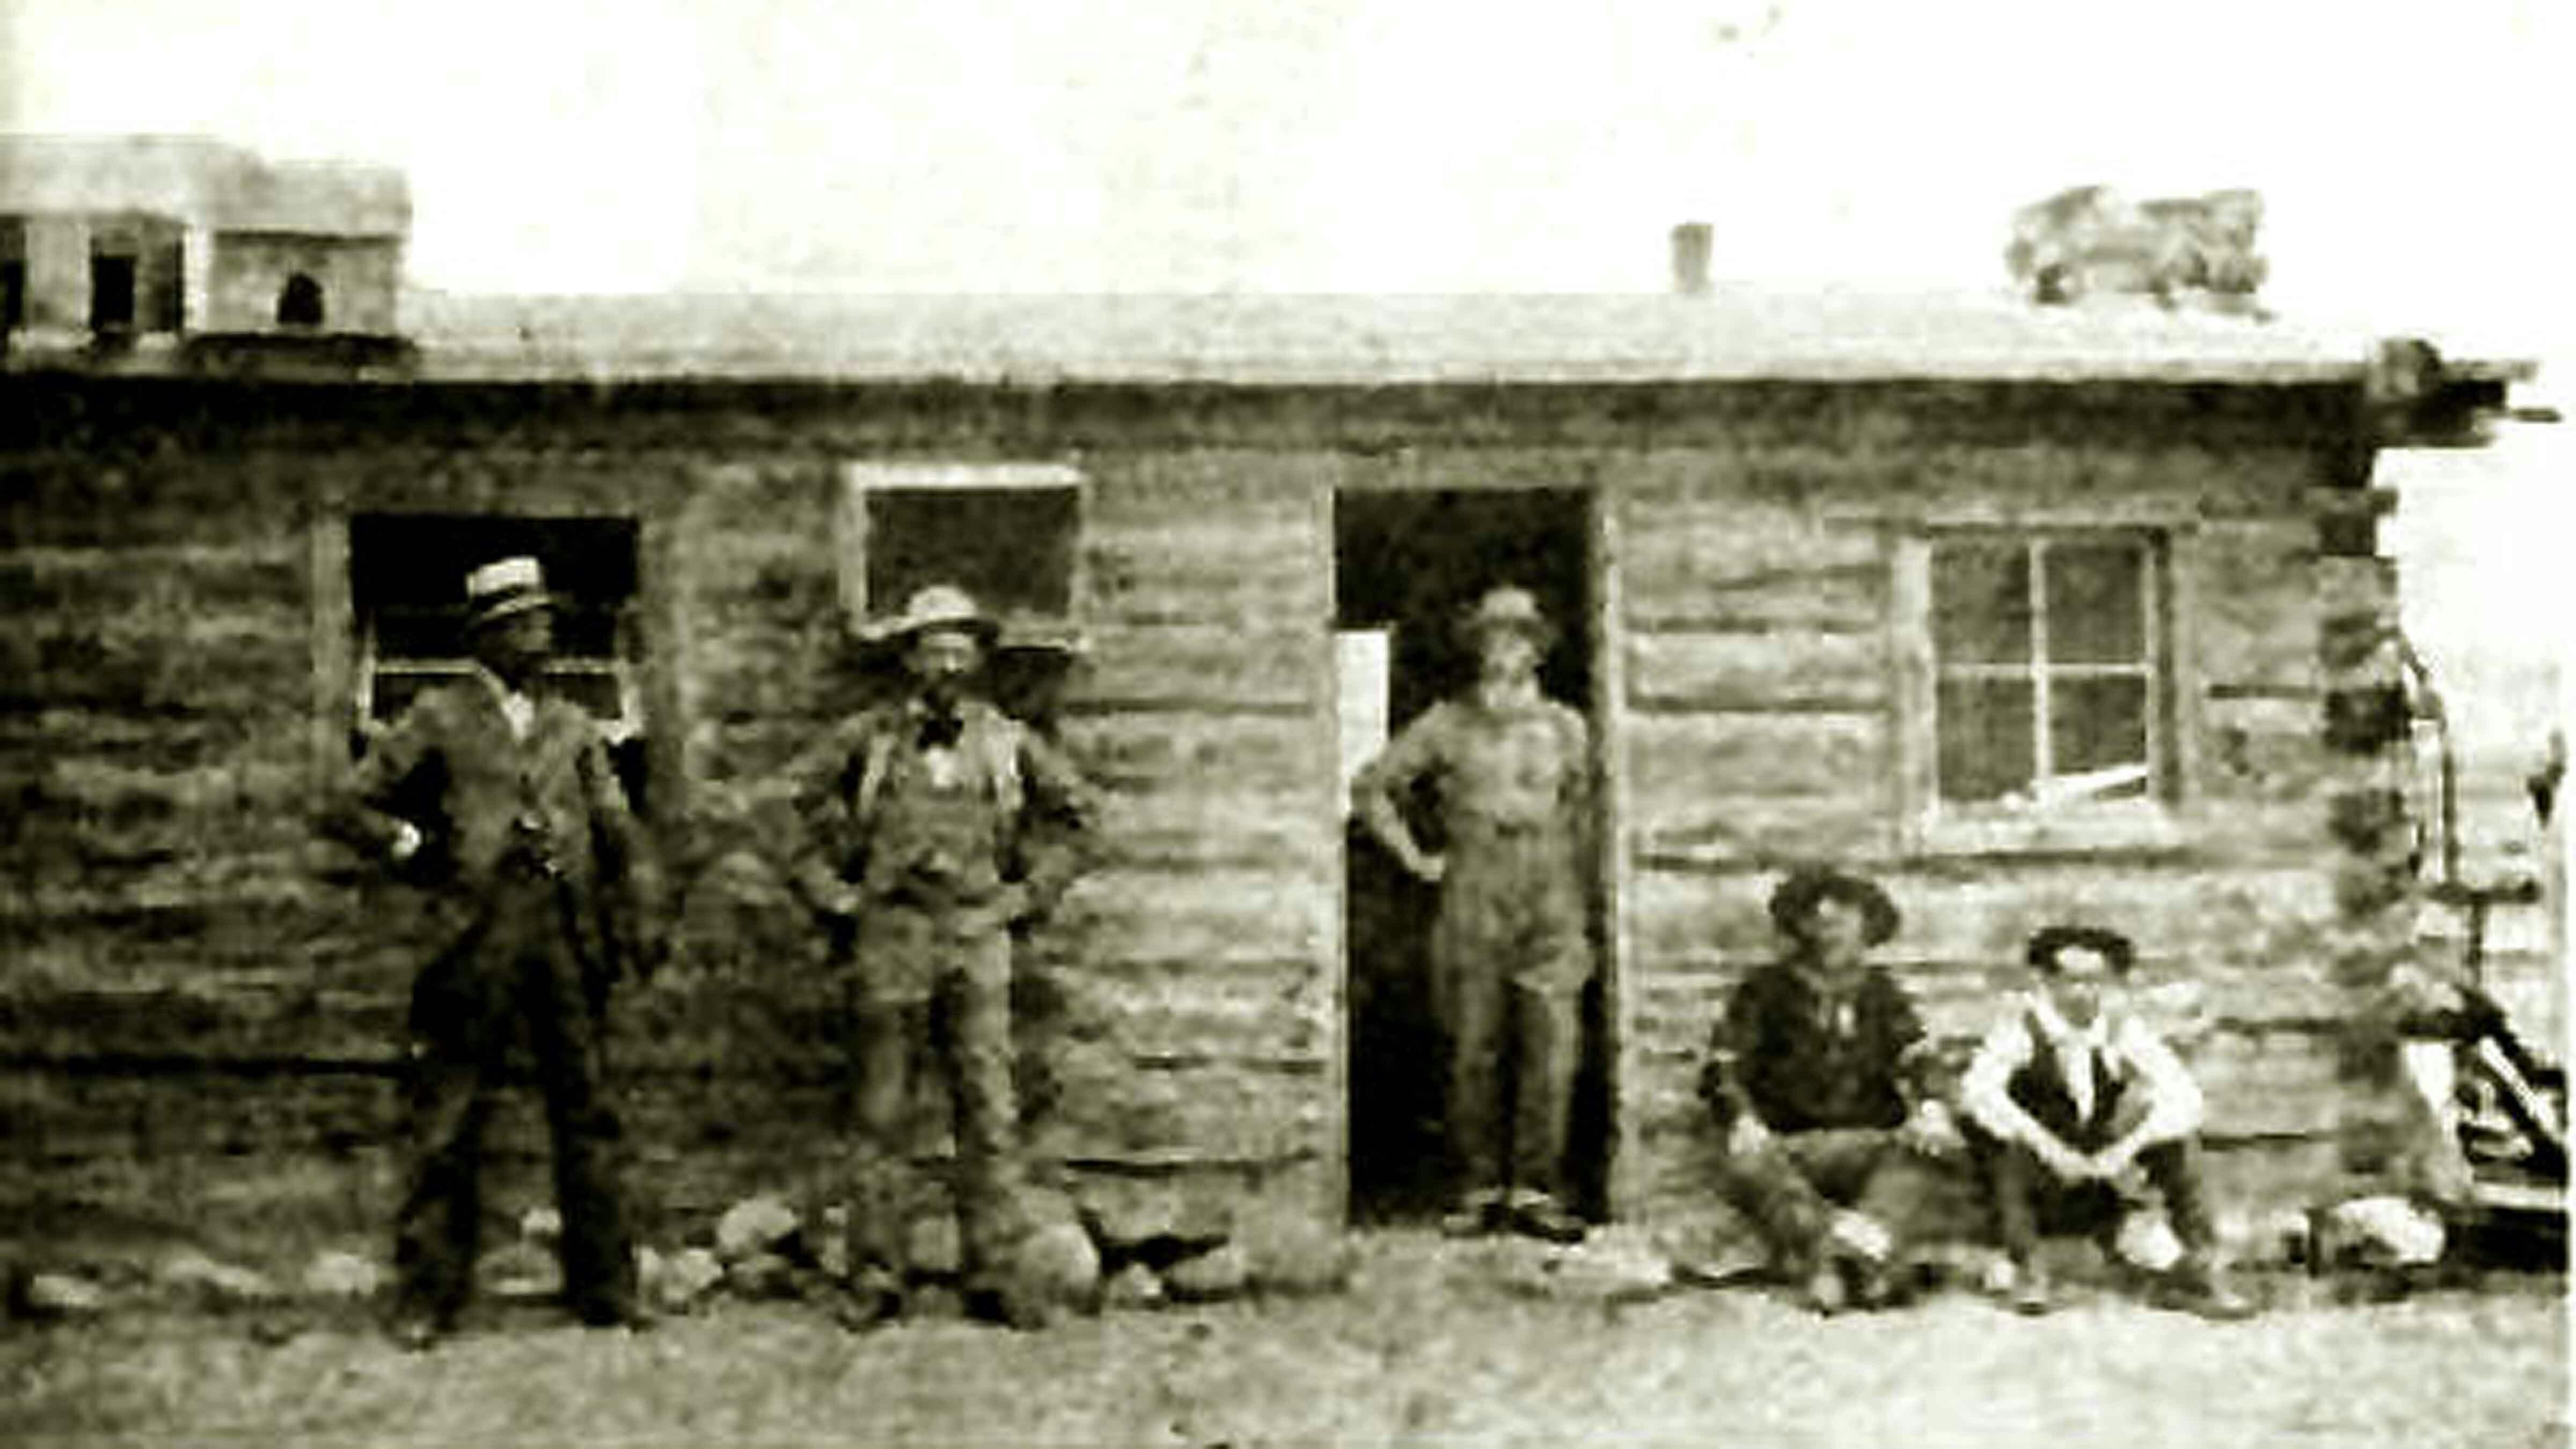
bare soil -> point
(1431, 1344)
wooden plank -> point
(1169, 1015)
(1725, 558)
(1737, 754)
(1193, 822)
(1752, 831)
(2189, 916)
(1124, 750)
(2258, 615)
(1231, 915)
(1784, 669)
(1216, 666)
(1214, 1112)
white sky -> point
(2411, 156)
(2410, 163)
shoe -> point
(633, 1317)
(1544, 1219)
(1475, 1215)
(1828, 1291)
(2207, 1295)
(2025, 1290)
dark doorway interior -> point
(1409, 562)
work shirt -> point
(1501, 767)
(1811, 1056)
(2038, 1075)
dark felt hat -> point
(1795, 900)
(2115, 949)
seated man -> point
(1814, 1077)
(2077, 1112)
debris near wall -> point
(2091, 241)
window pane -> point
(1981, 603)
(1012, 548)
(1985, 738)
(2093, 605)
(2099, 726)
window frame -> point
(624, 663)
(860, 481)
(2155, 820)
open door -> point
(1406, 563)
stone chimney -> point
(1691, 241)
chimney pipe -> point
(1691, 243)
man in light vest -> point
(932, 827)
(2078, 1113)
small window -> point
(13, 274)
(2048, 682)
(406, 590)
(111, 292)
(299, 302)
(1005, 533)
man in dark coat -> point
(1510, 950)
(1816, 1079)
(539, 891)
(930, 829)
(2079, 1113)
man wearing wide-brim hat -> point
(538, 892)
(1512, 774)
(1816, 1077)
(930, 829)
(2080, 1115)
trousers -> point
(959, 1037)
(518, 973)
(1794, 1183)
(1509, 958)
(2029, 1201)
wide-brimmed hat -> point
(2048, 943)
(1507, 607)
(503, 588)
(1794, 900)
(937, 606)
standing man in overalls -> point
(538, 891)
(933, 827)
(1510, 949)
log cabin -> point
(2028, 614)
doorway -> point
(1406, 564)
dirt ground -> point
(1429, 1345)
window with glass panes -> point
(2048, 668)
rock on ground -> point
(1224, 1271)
(214, 1283)
(59, 1295)
(340, 1274)
(755, 1225)
(1059, 1265)
(1134, 1286)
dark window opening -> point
(1012, 548)
(13, 274)
(407, 596)
(299, 302)
(111, 293)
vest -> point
(934, 842)
(2039, 1088)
